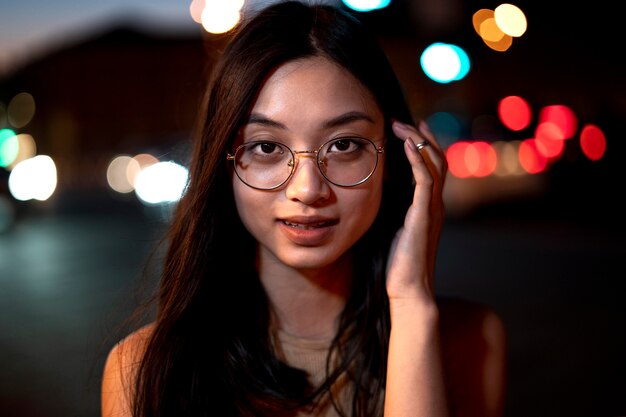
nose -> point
(307, 184)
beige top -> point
(310, 356)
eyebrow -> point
(343, 119)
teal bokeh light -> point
(446, 126)
(366, 5)
(9, 147)
(444, 63)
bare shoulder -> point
(119, 372)
(474, 344)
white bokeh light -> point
(34, 178)
(163, 182)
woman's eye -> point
(343, 145)
(267, 147)
(264, 148)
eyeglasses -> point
(345, 161)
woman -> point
(299, 273)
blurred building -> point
(119, 92)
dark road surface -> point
(66, 281)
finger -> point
(441, 162)
(422, 174)
(426, 145)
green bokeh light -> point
(9, 147)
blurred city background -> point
(97, 106)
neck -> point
(306, 303)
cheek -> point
(244, 202)
(374, 204)
(363, 207)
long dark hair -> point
(211, 351)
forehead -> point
(316, 87)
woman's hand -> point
(411, 263)
(415, 380)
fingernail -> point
(424, 127)
(410, 144)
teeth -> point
(306, 226)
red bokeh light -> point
(592, 142)
(514, 113)
(561, 116)
(530, 158)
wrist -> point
(413, 309)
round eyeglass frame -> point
(292, 163)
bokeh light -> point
(9, 147)
(220, 16)
(27, 148)
(117, 177)
(508, 160)
(490, 31)
(366, 5)
(496, 31)
(140, 162)
(562, 117)
(163, 182)
(480, 159)
(549, 140)
(455, 155)
(502, 45)
(531, 159)
(471, 159)
(195, 10)
(514, 112)
(34, 178)
(510, 19)
(444, 63)
(445, 126)
(592, 142)
(21, 110)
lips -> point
(308, 231)
(310, 225)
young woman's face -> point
(308, 222)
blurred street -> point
(67, 279)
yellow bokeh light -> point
(219, 24)
(510, 19)
(219, 16)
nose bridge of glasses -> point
(313, 153)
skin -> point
(307, 273)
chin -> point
(311, 259)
